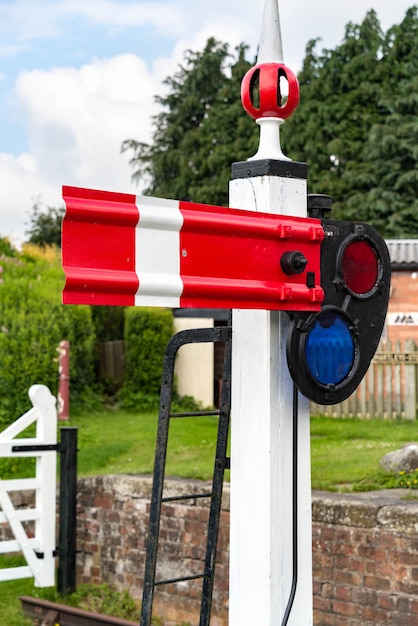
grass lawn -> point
(345, 452)
(115, 442)
(10, 607)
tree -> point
(339, 103)
(388, 195)
(202, 127)
(45, 225)
(355, 126)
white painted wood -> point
(18, 484)
(261, 448)
(24, 515)
(46, 472)
(13, 546)
(15, 573)
(44, 415)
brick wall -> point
(365, 551)
(365, 559)
(403, 299)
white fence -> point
(389, 389)
(38, 549)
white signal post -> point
(262, 568)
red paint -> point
(98, 247)
(228, 258)
(268, 75)
(232, 258)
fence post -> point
(410, 383)
(64, 380)
(67, 511)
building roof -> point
(403, 253)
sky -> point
(77, 77)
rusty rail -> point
(52, 613)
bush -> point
(32, 323)
(147, 332)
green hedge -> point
(32, 323)
(147, 332)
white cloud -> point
(77, 120)
(21, 183)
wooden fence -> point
(389, 389)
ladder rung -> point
(195, 414)
(178, 580)
(189, 497)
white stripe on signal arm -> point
(157, 262)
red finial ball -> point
(270, 98)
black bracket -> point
(50, 447)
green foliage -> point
(388, 480)
(32, 323)
(346, 452)
(104, 599)
(200, 130)
(357, 127)
(6, 248)
(10, 467)
(108, 322)
(45, 225)
(147, 332)
(389, 189)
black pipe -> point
(294, 510)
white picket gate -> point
(39, 549)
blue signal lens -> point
(329, 348)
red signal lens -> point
(359, 267)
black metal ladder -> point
(202, 335)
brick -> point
(364, 597)
(103, 502)
(356, 564)
(374, 615)
(376, 582)
(344, 593)
(368, 552)
(348, 578)
(344, 608)
(403, 605)
(328, 533)
(404, 558)
(386, 602)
